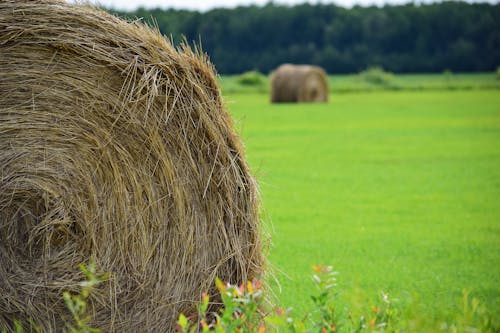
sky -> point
(203, 5)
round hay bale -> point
(299, 84)
(115, 148)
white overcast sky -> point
(203, 5)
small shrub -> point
(325, 281)
(252, 78)
(377, 76)
(498, 73)
(242, 312)
(77, 303)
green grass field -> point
(399, 191)
(359, 83)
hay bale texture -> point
(115, 148)
(299, 84)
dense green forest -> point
(454, 36)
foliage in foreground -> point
(77, 303)
(244, 311)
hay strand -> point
(115, 148)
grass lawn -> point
(399, 191)
(450, 81)
(358, 83)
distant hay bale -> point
(115, 148)
(299, 84)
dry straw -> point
(299, 84)
(115, 148)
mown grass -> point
(360, 83)
(445, 81)
(400, 191)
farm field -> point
(399, 191)
(377, 80)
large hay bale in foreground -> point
(299, 84)
(115, 148)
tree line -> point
(455, 36)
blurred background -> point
(341, 36)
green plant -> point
(18, 327)
(252, 78)
(77, 304)
(241, 312)
(382, 317)
(376, 75)
(498, 73)
(187, 327)
(473, 317)
(325, 280)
